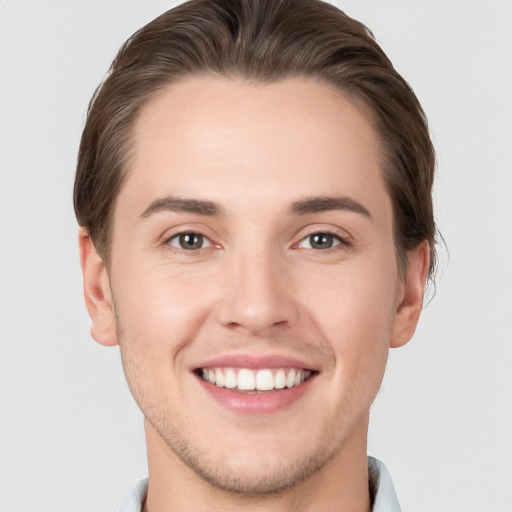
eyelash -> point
(342, 242)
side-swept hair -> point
(263, 41)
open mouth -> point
(249, 380)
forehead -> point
(228, 139)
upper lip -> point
(252, 362)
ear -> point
(98, 298)
(410, 300)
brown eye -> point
(189, 241)
(320, 241)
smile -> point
(265, 379)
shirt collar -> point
(135, 500)
(381, 489)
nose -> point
(258, 295)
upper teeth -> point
(260, 380)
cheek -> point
(354, 311)
(357, 297)
(160, 311)
(156, 317)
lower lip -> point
(266, 402)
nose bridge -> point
(256, 296)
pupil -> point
(191, 241)
(321, 241)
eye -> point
(189, 241)
(320, 241)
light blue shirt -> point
(381, 488)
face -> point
(253, 282)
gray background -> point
(71, 437)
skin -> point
(257, 286)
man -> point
(254, 189)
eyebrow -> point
(322, 204)
(181, 205)
(211, 209)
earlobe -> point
(410, 303)
(98, 298)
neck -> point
(341, 484)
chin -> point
(260, 468)
(260, 476)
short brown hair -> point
(263, 41)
